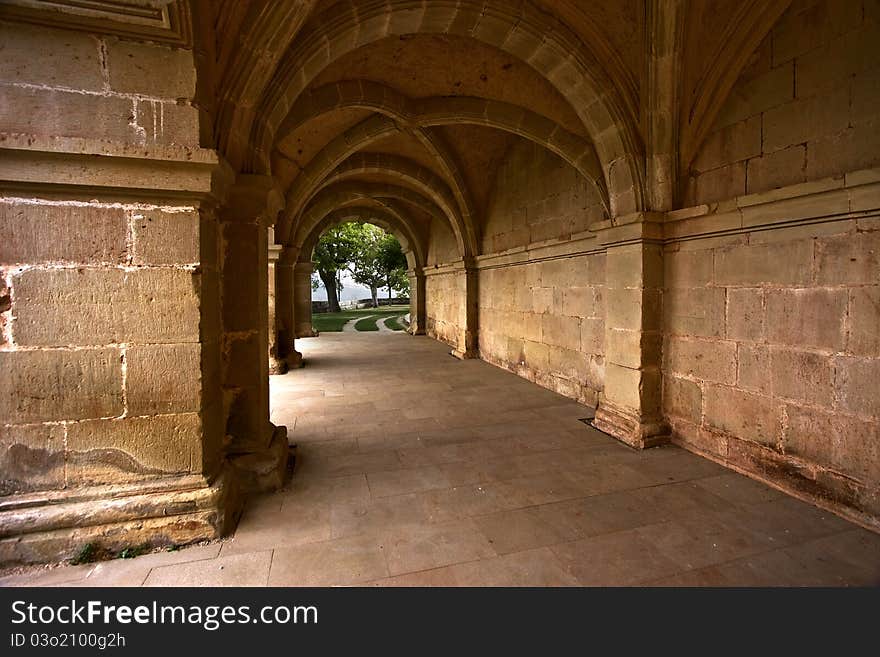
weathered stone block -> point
(104, 451)
(717, 184)
(702, 359)
(745, 314)
(167, 123)
(31, 457)
(163, 378)
(687, 269)
(634, 266)
(753, 368)
(855, 148)
(758, 94)
(634, 309)
(777, 169)
(864, 321)
(104, 306)
(806, 317)
(698, 311)
(804, 120)
(845, 444)
(857, 385)
(42, 56)
(732, 143)
(33, 233)
(580, 302)
(682, 398)
(638, 390)
(151, 70)
(165, 238)
(848, 259)
(802, 376)
(57, 384)
(561, 331)
(743, 414)
(64, 114)
(593, 335)
(786, 263)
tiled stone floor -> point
(415, 468)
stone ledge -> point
(173, 511)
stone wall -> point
(542, 312)
(807, 106)
(771, 354)
(444, 298)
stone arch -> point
(381, 216)
(364, 94)
(519, 29)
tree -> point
(392, 263)
(335, 250)
(365, 267)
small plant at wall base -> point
(86, 554)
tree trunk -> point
(374, 291)
(328, 278)
(390, 299)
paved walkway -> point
(415, 468)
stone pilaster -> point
(277, 364)
(416, 301)
(467, 289)
(256, 448)
(302, 299)
(630, 406)
(285, 311)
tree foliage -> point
(374, 258)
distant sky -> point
(351, 291)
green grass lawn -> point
(394, 323)
(333, 322)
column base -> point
(465, 355)
(264, 470)
(277, 366)
(294, 360)
(629, 427)
(53, 526)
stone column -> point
(302, 299)
(468, 294)
(416, 301)
(256, 448)
(285, 316)
(277, 363)
(630, 406)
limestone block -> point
(743, 414)
(163, 378)
(855, 148)
(802, 376)
(36, 111)
(682, 398)
(38, 233)
(633, 266)
(864, 321)
(43, 56)
(824, 68)
(103, 306)
(31, 457)
(593, 335)
(848, 259)
(634, 389)
(786, 263)
(687, 269)
(753, 368)
(151, 70)
(580, 301)
(104, 451)
(699, 311)
(535, 355)
(758, 94)
(799, 32)
(561, 331)
(165, 238)
(865, 103)
(846, 444)
(168, 123)
(733, 143)
(717, 184)
(542, 300)
(710, 360)
(634, 309)
(634, 349)
(805, 120)
(777, 169)
(857, 385)
(806, 317)
(58, 384)
(745, 314)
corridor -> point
(414, 468)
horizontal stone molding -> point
(80, 166)
(855, 195)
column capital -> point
(254, 197)
(289, 256)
